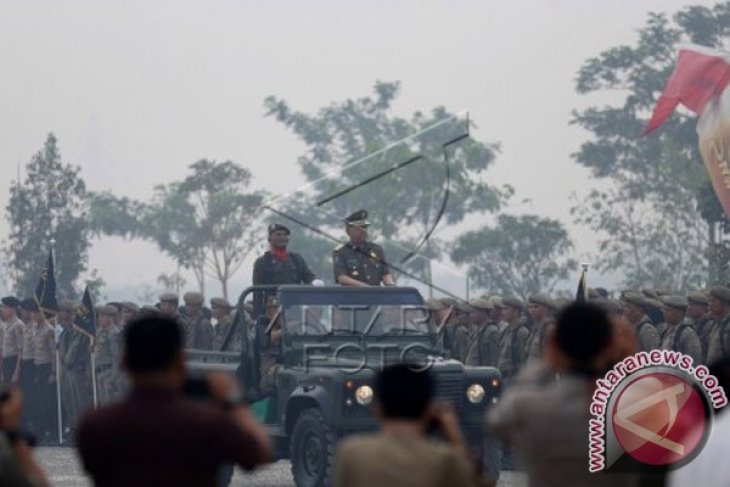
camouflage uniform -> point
(683, 338)
(536, 341)
(647, 334)
(76, 363)
(106, 349)
(512, 343)
(198, 331)
(485, 347)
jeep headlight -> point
(364, 395)
(475, 393)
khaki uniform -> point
(28, 374)
(703, 327)
(485, 347)
(718, 342)
(12, 347)
(647, 334)
(683, 338)
(536, 340)
(512, 343)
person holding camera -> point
(401, 454)
(157, 435)
(18, 467)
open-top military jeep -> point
(332, 342)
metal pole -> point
(93, 371)
(58, 361)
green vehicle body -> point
(324, 369)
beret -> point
(635, 298)
(721, 292)
(193, 298)
(543, 300)
(463, 306)
(169, 298)
(220, 303)
(675, 301)
(275, 227)
(481, 303)
(29, 304)
(10, 301)
(698, 298)
(129, 306)
(513, 302)
(67, 305)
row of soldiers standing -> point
(507, 332)
(32, 347)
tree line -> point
(656, 218)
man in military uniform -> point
(718, 343)
(66, 311)
(464, 331)
(359, 262)
(679, 335)
(700, 317)
(27, 367)
(74, 351)
(646, 332)
(485, 347)
(223, 323)
(513, 339)
(12, 344)
(129, 310)
(44, 360)
(199, 332)
(279, 266)
(106, 355)
(541, 309)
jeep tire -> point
(312, 450)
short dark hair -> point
(151, 343)
(403, 392)
(583, 331)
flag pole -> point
(58, 363)
(93, 370)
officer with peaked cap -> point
(679, 335)
(359, 262)
(279, 266)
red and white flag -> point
(700, 83)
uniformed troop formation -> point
(505, 332)
(41, 355)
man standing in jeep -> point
(359, 262)
(279, 266)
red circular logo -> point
(660, 419)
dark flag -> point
(85, 320)
(581, 296)
(45, 291)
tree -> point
(50, 203)
(520, 255)
(657, 215)
(352, 148)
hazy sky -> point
(136, 91)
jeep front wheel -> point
(312, 450)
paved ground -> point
(63, 469)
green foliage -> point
(50, 203)
(653, 217)
(520, 255)
(348, 142)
